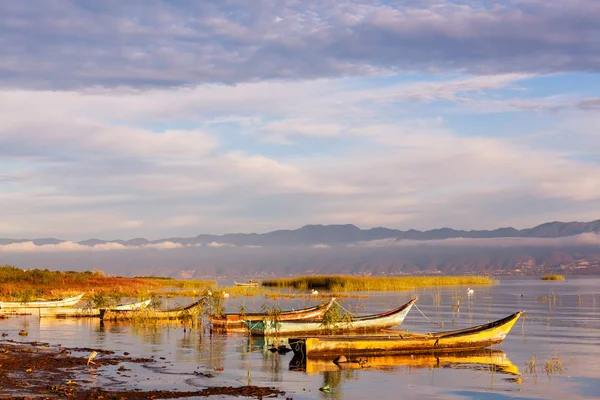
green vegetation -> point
(338, 283)
(553, 277)
(17, 284)
(336, 316)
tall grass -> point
(27, 285)
(339, 283)
(553, 278)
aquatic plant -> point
(272, 317)
(339, 283)
(336, 316)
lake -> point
(560, 330)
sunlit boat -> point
(364, 324)
(250, 283)
(89, 312)
(235, 322)
(133, 306)
(491, 359)
(406, 343)
(67, 302)
(190, 311)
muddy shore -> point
(39, 370)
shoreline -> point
(43, 370)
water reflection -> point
(491, 360)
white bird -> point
(226, 295)
(470, 291)
(314, 292)
(91, 357)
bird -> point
(91, 357)
(314, 292)
(226, 295)
(470, 291)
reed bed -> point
(338, 283)
(555, 277)
(17, 284)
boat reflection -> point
(485, 359)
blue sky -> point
(163, 118)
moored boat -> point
(83, 312)
(235, 322)
(364, 324)
(132, 306)
(69, 312)
(188, 312)
(250, 283)
(476, 337)
(66, 302)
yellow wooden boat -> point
(406, 343)
(482, 359)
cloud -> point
(218, 244)
(583, 239)
(156, 43)
(68, 246)
(122, 163)
(321, 246)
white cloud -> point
(575, 240)
(96, 164)
(67, 246)
(218, 244)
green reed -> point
(339, 283)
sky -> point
(169, 118)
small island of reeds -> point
(555, 277)
(340, 283)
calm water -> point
(562, 321)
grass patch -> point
(553, 277)
(17, 284)
(339, 283)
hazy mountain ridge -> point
(340, 234)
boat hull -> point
(68, 302)
(405, 343)
(235, 322)
(190, 312)
(371, 323)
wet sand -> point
(39, 370)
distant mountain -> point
(311, 235)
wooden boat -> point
(69, 312)
(491, 359)
(83, 312)
(67, 302)
(406, 343)
(132, 306)
(235, 322)
(189, 312)
(364, 324)
(250, 283)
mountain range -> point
(343, 234)
(554, 247)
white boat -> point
(68, 302)
(132, 306)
